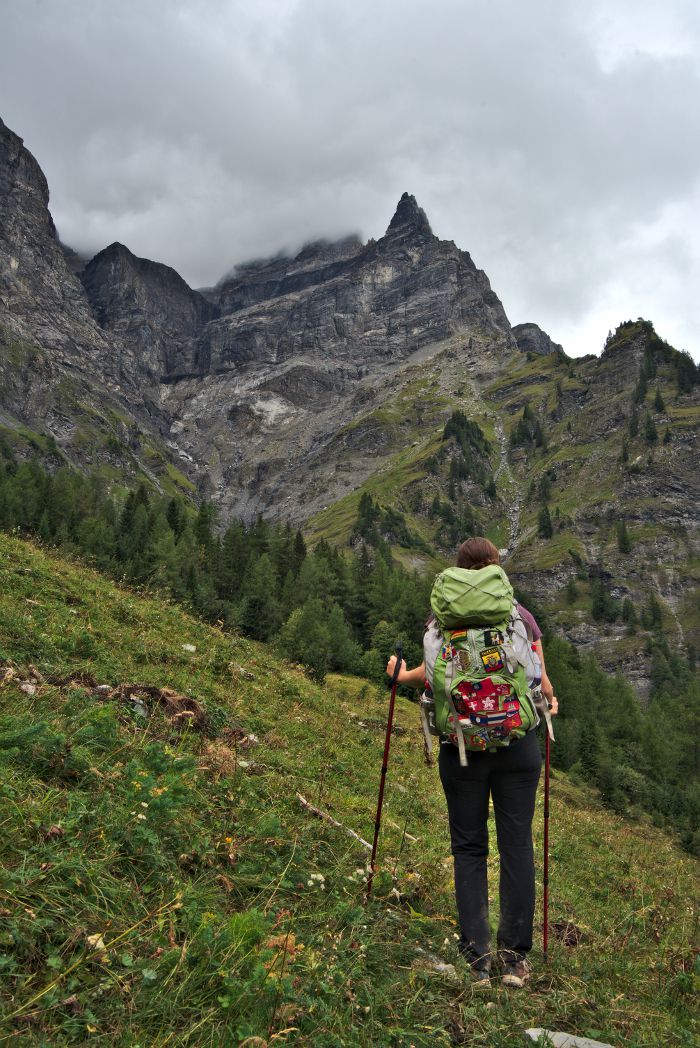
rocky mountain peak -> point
(409, 218)
(153, 312)
(532, 339)
(41, 301)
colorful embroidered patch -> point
(456, 634)
(479, 740)
(464, 661)
(492, 660)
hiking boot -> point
(480, 979)
(516, 974)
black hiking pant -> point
(510, 775)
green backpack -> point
(483, 674)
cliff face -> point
(62, 384)
(532, 339)
(40, 299)
(357, 305)
(303, 344)
(149, 309)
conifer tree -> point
(650, 432)
(305, 637)
(623, 540)
(544, 524)
(633, 425)
(261, 612)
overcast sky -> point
(556, 140)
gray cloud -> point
(555, 141)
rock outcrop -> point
(356, 305)
(61, 378)
(532, 339)
(41, 301)
(150, 310)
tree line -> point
(334, 610)
(322, 608)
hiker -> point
(510, 774)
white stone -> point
(551, 1039)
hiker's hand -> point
(391, 666)
(553, 705)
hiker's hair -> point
(477, 553)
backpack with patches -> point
(482, 672)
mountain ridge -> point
(300, 383)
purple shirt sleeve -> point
(530, 619)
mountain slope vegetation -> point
(161, 883)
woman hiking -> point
(509, 775)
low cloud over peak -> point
(554, 142)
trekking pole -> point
(385, 765)
(545, 876)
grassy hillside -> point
(161, 884)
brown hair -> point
(477, 553)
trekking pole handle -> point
(399, 663)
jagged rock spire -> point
(409, 217)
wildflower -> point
(228, 840)
(142, 816)
(143, 804)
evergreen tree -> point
(261, 612)
(640, 390)
(659, 401)
(686, 372)
(623, 540)
(234, 561)
(650, 432)
(175, 516)
(544, 524)
(305, 637)
(633, 425)
(629, 615)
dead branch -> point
(334, 822)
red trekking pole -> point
(385, 765)
(545, 876)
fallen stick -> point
(414, 840)
(334, 822)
